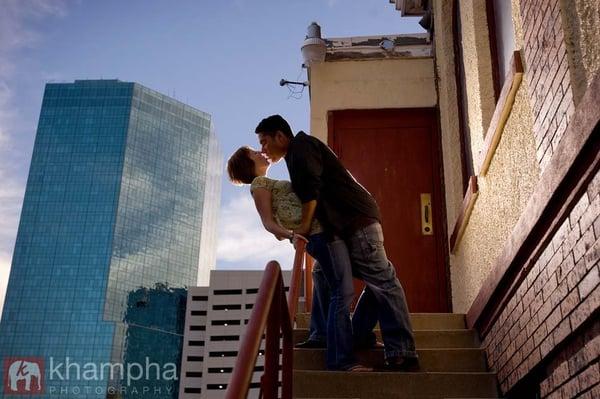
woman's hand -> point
(297, 238)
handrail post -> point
(271, 376)
(271, 312)
(287, 361)
(308, 282)
(295, 281)
(244, 365)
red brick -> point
(594, 187)
(537, 303)
(578, 361)
(545, 160)
(545, 310)
(512, 379)
(555, 395)
(560, 374)
(579, 209)
(561, 233)
(590, 214)
(562, 126)
(589, 377)
(514, 332)
(589, 282)
(570, 303)
(543, 114)
(549, 287)
(521, 291)
(561, 331)
(565, 267)
(527, 347)
(584, 243)
(554, 319)
(597, 227)
(575, 276)
(559, 294)
(528, 297)
(555, 262)
(541, 280)
(525, 318)
(593, 347)
(585, 308)
(540, 334)
(546, 387)
(570, 389)
(546, 346)
(532, 360)
(567, 99)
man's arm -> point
(308, 213)
(306, 169)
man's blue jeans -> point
(332, 299)
(382, 299)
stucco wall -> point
(444, 62)
(369, 84)
(503, 194)
(514, 170)
(581, 25)
(478, 71)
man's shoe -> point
(397, 363)
(311, 344)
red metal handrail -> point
(272, 312)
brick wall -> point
(575, 371)
(547, 74)
(557, 300)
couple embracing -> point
(324, 205)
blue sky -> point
(224, 57)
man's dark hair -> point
(240, 167)
(271, 124)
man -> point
(350, 214)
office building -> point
(115, 203)
(215, 322)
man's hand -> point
(302, 230)
(297, 238)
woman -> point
(280, 211)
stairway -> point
(452, 366)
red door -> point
(395, 155)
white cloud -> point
(16, 20)
(243, 241)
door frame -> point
(423, 116)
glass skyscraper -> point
(118, 203)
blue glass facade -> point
(114, 204)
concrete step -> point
(420, 321)
(425, 339)
(377, 385)
(455, 360)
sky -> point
(224, 57)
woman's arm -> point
(262, 200)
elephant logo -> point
(24, 376)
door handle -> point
(426, 222)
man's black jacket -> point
(343, 204)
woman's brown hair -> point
(240, 167)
